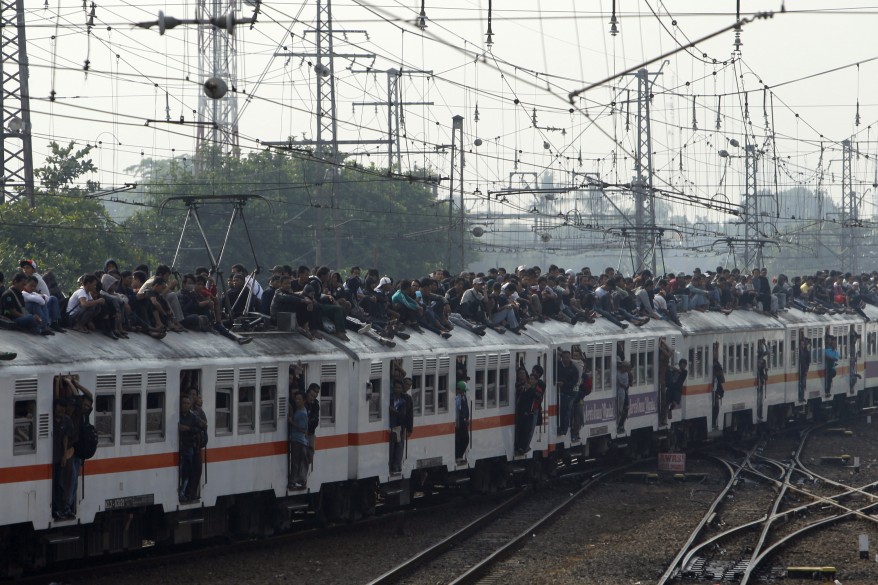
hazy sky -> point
(542, 51)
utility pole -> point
(326, 145)
(752, 250)
(849, 212)
(393, 104)
(644, 198)
(15, 135)
(217, 58)
(456, 143)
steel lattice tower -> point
(849, 212)
(752, 247)
(217, 57)
(18, 161)
(644, 198)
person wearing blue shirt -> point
(298, 421)
(831, 358)
(461, 421)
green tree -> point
(366, 218)
(68, 231)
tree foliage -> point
(67, 231)
(295, 215)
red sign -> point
(673, 462)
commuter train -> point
(128, 495)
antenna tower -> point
(644, 198)
(15, 135)
(217, 57)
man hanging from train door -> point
(717, 390)
(623, 382)
(853, 357)
(567, 380)
(397, 427)
(804, 365)
(831, 357)
(461, 422)
(761, 375)
(665, 355)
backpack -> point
(87, 444)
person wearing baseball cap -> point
(461, 422)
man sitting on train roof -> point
(12, 306)
(169, 307)
(53, 308)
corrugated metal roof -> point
(698, 323)
(73, 347)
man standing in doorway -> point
(461, 422)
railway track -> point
(469, 554)
(761, 539)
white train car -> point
(137, 386)
(868, 364)
(816, 330)
(733, 339)
(487, 364)
(599, 347)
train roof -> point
(797, 318)
(77, 348)
(698, 323)
(554, 332)
(429, 343)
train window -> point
(223, 411)
(417, 394)
(503, 387)
(130, 418)
(817, 351)
(492, 388)
(374, 399)
(607, 372)
(871, 343)
(696, 362)
(268, 408)
(155, 416)
(638, 367)
(24, 427)
(429, 393)
(105, 419)
(246, 409)
(442, 393)
(794, 350)
(480, 389)
(327, 403)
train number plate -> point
(129, 502)
(738, 406)
(814, 394)
(429, 462)
(595, 431)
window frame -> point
(327, 402)
(268, 424)
(129, 438)
(243, 407)
(442, 392)
(103, 441)
(21, 448)
(151, 435)
(228, 411)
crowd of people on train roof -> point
(117, 302)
